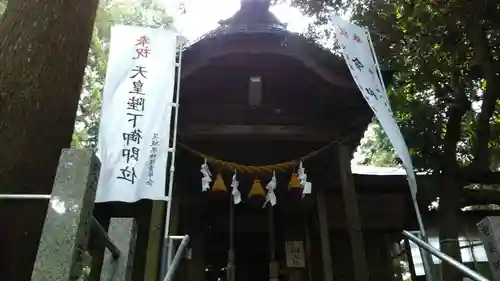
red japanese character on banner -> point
(142, 41)
(356, 38)
(142, 52)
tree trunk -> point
(490, 96)
(43, 53)
(449, 207)
(449, 186)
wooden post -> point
(307, 246)
(324, 237)
(273, 264)
(361, 272)
(231, 270)
(153, 252)
(409, 258)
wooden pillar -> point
(295, 246)
(196, 266)
(153, 254)
(156, 235)
(409, 258)
(326, 255)
(273, 263)
(361, 272)
(196, 263)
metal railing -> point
(172, 266)
(444, 257)
(95, 226)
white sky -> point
(203, 15)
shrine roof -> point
(216, 67)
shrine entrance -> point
(259, 100)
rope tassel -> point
(270, 196)
(235, 192)
(206, 177)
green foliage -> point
(142, 13)
(3, 6)
(375, 148)
(437, 58)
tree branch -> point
(484, 57)
(456, 111)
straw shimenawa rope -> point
(265, 169)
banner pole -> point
(426, 257)
(165, 250)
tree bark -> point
(491, 94)
(43, 53)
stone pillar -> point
(326, 255)
(353, 220)
(96, 247)
(123, 233)
(67, 224)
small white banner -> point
(357, 48)
(295, 256)
(489, 231)
(136, 110)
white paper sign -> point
(295, 256)
(356, 46)
(489, 229)
(136, 114)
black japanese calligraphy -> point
(139, 70)
(128, 174)
(135, 107)
(485, 230)
(371, 93)
(137, 88)
(152, 158)
(135, 136)
(359, 65)
(131, 153)
(136, 104)
(343, 32)
(133, 118)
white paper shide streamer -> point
(358, 52)
(206, 178)
(306, 185)
(235, 192)
(270, 187)
(136, 114)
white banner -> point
(357, 48)
(136, 109)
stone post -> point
(67, 223)
(123, 233)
